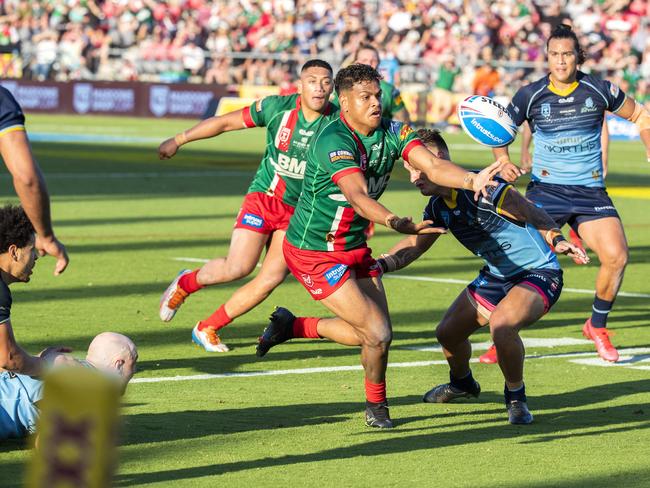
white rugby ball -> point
(486, 121)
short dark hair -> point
(317, 63)
(355, 73)
(434, 138)
(564, 31)
(369, 47)
(15, 227)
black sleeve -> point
(5, 302)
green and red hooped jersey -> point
(288, 136)
(324, 220)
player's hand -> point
(52, 246)
(484, 179)
(526, 162)
(167, 149)
(510, 171)
(405, 225)
(574, 252)
(50, 354)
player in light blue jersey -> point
(565, 111)
(112, 353)
(520, 282)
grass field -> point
(128, 221)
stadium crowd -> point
(473, 45)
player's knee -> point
(237, 270)
(615, 260)
(445, 335)
(379, 337)
(502, 329)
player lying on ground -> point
(520, 282)
(348, 168)
(565, 112)
(18, 256)
(109, 352)
(292, 122)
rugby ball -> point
(486, 121)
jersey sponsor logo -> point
(306, 133)
(480, 281)
(588, 146)
(404, 133)
(566, 100)
(606, 207)
(377, 185)
(395, 126)
(258, 105)
(317, 291)
(614, 89)
(335, 273)
(252, 220)
(588, 106)
(288, 166)
(377, 147)
(340, 155)
(546, 110)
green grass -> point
(123, 231)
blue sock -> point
(466, 383)
(600, 311)
(512, 395)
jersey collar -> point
(452, 201)
(562, 93)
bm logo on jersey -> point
(546, 110)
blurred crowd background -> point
(474, 46)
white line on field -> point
(412, 364)
(450, 280)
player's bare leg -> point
(243, 255)
(521, 307)
(460, 321)
(245, 249)
(272, 272)
(606, 238)
(362, 304)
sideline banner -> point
(115, 98)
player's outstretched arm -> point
(31, 189)
(445, 173)
(525, 160)
(205, 129)
(406, 251)
(517, 207)
(354, 188)
(13, 358)
(637, 113)
(508, 170)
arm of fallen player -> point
(569, 249)
(509, 171)
(484, 179)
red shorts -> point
(263, 213)
(323, 272)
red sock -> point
(375, 392)
(306, 327)
(217, 320)
(188, 282)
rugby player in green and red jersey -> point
(348, 167)
(292, 122)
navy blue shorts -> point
(571, 204)
(488, 290)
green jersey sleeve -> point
(338, 155)
(404, 138)
(263, 110)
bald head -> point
(115, 353)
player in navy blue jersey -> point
(520, 282)
(28, 179)
(565, 111)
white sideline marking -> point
(628, 362)
(451, 280)
(333, 369)
(528, 342)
